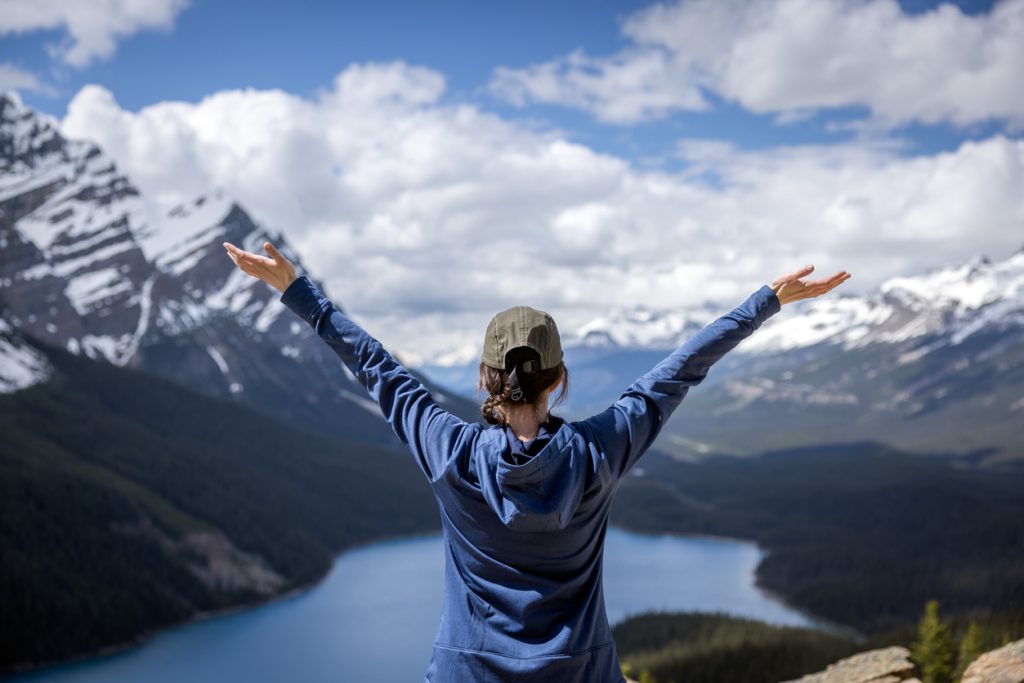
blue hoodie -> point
(524, 523)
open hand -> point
(277, 271)
(791, 288)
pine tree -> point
(970, 649)
(933, 650)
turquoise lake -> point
(374, 617)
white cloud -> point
(25, 81)
(425, 218)
(93, 27)
(792, 57)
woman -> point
(524, 500)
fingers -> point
(238, 255)
(249, 263)
(806, 270)
(241, 256)
(829, 282)
(792, 277)
(274, 253)
(233, 252)
(795, 275)
(820, 287)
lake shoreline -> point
(143, 638)
(824, 623)
(821, 623)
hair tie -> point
(513, 381)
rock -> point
(1004, 665)
(888, 665)
(211, 557)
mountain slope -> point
(121, 516)
(89, 264)
(929, 362)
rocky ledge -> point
(893, 665)
(1004, 665)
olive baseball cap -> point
(522, 326)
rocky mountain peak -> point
(958, 299)
(92, 265)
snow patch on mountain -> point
(361, 401)
(21, 366)
(844, 319)
(218, 359)
(641, 327)
(955, 300)
(89, 289)
(961, 288)
(457, 357)
(177, 240)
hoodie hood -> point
(540, 494)
(522, 451)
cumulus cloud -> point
(794, 56)
(424, 218)
(14, 78)
(93, 27)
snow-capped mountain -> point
(87, 264)
(959, 299)
(930, 361)
(641, 327)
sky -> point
(436, 162)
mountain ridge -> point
(90, 265)
(928, 362)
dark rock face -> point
(86, 263)
(67, 224)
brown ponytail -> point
(495, 383)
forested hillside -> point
(129, 503)
(861, 534)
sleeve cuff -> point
(304, 299)
(768, 304)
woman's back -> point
(523, 560)
(524, 597)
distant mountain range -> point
(88, 265)
(928, 362)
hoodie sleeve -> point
(430, 432)
(629, 426)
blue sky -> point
(661, 154)
(214, 45)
